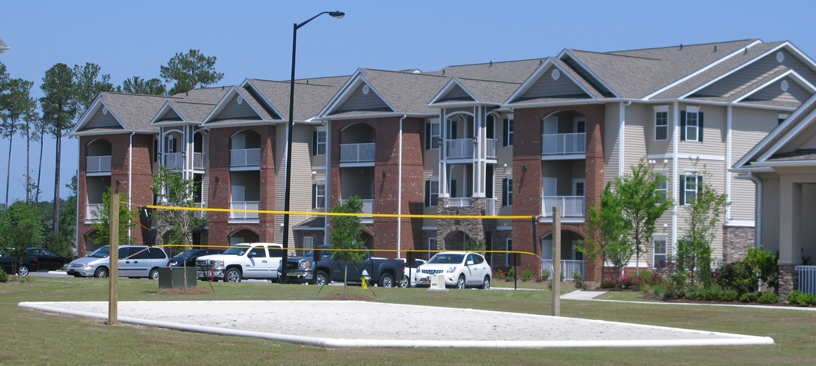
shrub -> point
(768, 298)
(499, 274)
(729, 295)
(545, 275)
(526, 275)
(749, 297)
(578, 279)
(3, 276)
(742, 276)
(511, 274)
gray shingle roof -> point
(311, 94)
(405, 92)
(796, 155)
(198, 103)
(134, 111)
(489, 91)
(508, 71)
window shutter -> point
(682, 190)
(682, 125)
(700, 126)
(490, 127)
(505, 136)
(427, 193)
(314, 195)
(699, 183)
(427, 136)
(504, 192)
(156, 150)
(314, 142)
(453, 188)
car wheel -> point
(232, 275)
(101, 272)
(460, 284)
(486, 283)
(321, 278)
(404, 282)
(23, 270)
(387, 280)
(154, 274)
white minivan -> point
(136, 261)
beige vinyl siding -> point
(770, 212)
(646, 113)
(301, 183)
(430, 168)
(639, 119)
(714, 136)
(756, 72)
(457, 94)
(611, 141)
(545, 86)
(749, 126)
(794, 93)
(359, 101)
(717, 181)
(504, 155)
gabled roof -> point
(311, 95)
(240, 105)
(193, 108)
(120, 113)
(787, 142)
(538, 88)
(471, 92)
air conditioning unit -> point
(438, 283)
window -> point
(660, 251)
(507, 191)
(432, 138)
(319, 142)
(691, 124)
(689, 185)
(508, 246)
(580, 125)
(308, 246)
(661, 123)
(578, 187)
(662, 189)
(508, 131)
(319, 194)
(431, 247)
(432, 192)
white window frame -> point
(435, 135)
(431, 244)
(324, 144)
(318, 184)
(658, 256)
(693, 111)
(662, 109)
(690, 177)
(308, 244)
(431, 201)
(509, 130)
(508, 243)
(575, 183)
(509, 190)
(663, 189)
(579, 125)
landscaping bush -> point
(526, 275)
(749, 297)
(499, 274)
(545, 275)
(801, 299)
(768, 298)
(742, 276)
(729, 295)
(3, 276)
(511, 274)
(578, 279)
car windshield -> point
(103, 252)
(446, 258)
(185, 254)
(235, 251)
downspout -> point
(622, 137)
(728, 163)
(130, 180)
(676, 185)
(399, 193)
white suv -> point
(247, 260)
(461, 269)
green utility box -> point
(173, 277)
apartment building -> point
(493, 139)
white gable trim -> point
(801, 125)
(342, 98)
(98, 103)
(223, 103)
(340, 93)
(588, 71)
(163, 110)
(453, 83)
(263, 98)
(796, 77)
(537, 74)
(698, 72)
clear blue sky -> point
(253, 39)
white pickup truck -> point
(247, 260)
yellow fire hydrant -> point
(365, 279)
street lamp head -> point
(337, 14)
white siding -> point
(611, 148)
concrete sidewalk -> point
(582, 295)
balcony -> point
(368, 208)
(244, 205)
(357, 153)
(491, 148)
(563, 144)
(198, 161)
(200, 214)
(245, 158)
(460, 202)
(460, 149)
(93, 211)
(568, 268)
(98, 164)
(173, 161)
(807, 279)
(571, 206)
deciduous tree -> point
(171, 189)
(345, 235)
(605, 231)
(127, 220)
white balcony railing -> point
(357, 153)
(198, 161)
(173, 161)
(199, 214)
(244, 205)
(491, 148)
(490, 207)
(571, 206)
(563, 143)
(98, 164)
(460, 202)
(807, 279)
(459, 148)
(568, 268)
(245, 157)
(93, 211)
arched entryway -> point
(572, 260)
(456, 240)
(243, 236)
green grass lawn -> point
(32, 337)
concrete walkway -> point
(582, 295)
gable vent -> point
(780, 57)
(784, 85)
(556, 74)
(365, 89)
(239, 100)
(104, 110)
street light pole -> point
(291, 125)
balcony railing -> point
(459, 148)
(173, 161)
(244, 205)
(490, 207)
(460, 202)
(357, 153)
(245, 157)
(198, 161)
(368, 208)
(571, 206)
(807, 279)
(563, 143)
(98, 164)
(491, 148)
(568, 268)
(93, 211)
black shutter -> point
(682, 190)
(505, 128)
(504, 191)
(156, 150)
(682, 125)
(427, 136)
(700, 126)
(490, 127)
(314, 142)
(314, 195)
(509, 189)
(453, 188)
(427, 193)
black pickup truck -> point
(319, 267)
